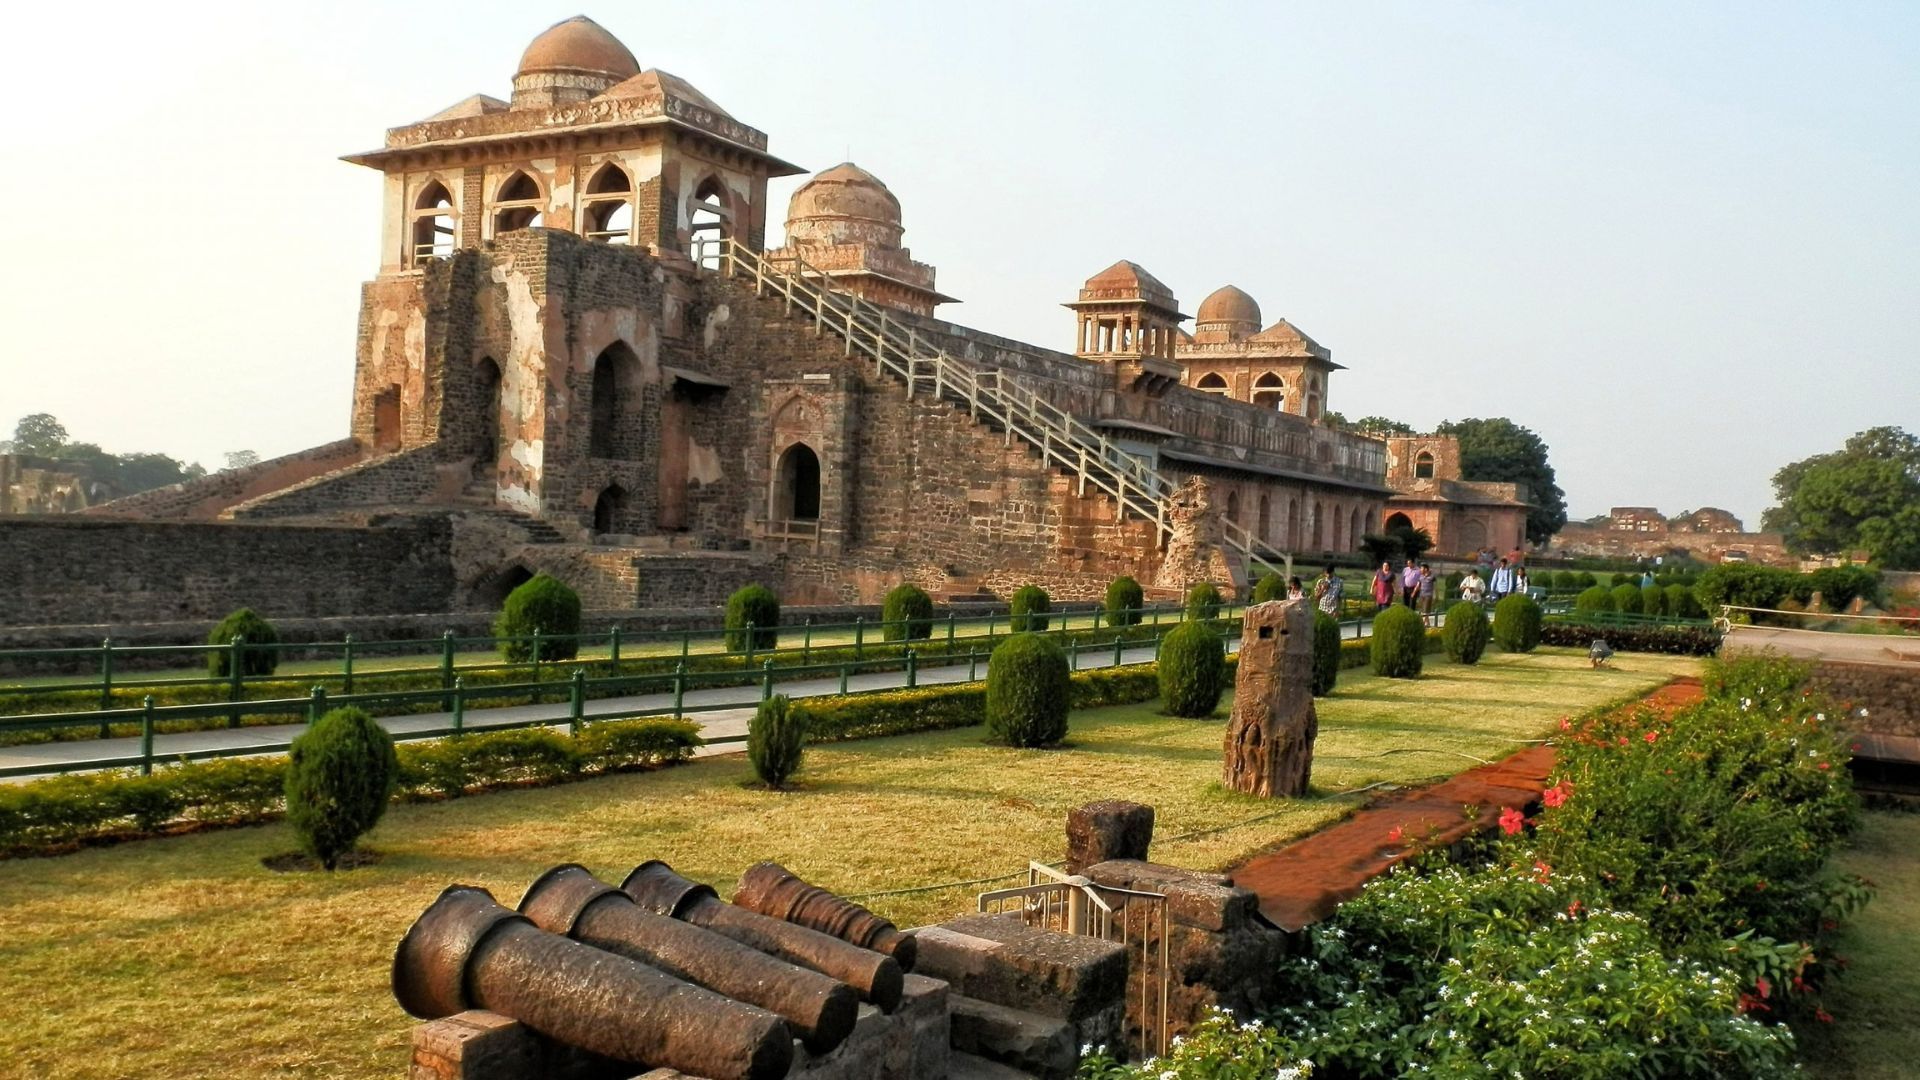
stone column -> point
(1269, 742)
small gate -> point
(1072, 904)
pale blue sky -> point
(1681, 241)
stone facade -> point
(37, 485)
(549, 365)
(1462, 516)
(1708, 534)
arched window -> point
(708, 222)
(1292, 531)
(796, 485)
(1270, 391)
(608, 509)
(1353, 530)
(1319, 526)
(606, 212)
(435, 224)
(519, 204)
(1423, 465)
(1211, 383)
(1233, 507)
(614, 404)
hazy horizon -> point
(1679, 242)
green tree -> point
(39, 433)
(1413, 542)
(1498, 450)
(1865, 495)
(1381, 425)
(340, 773)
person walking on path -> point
(1520, 583)
(1410, 584)
(1329, 591)
(1383, 587)
(1472, 589)
(1426, 589)
(1502, 582)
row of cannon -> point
(659, 971)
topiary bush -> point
(1626, 599)
(1193, 670)
(776, 737)
(1029, 606)
(1124, 601)
(1516, 623)
(907, 613)
(1597, 598)
(1680, 602)
(542, 604)
(1326, 653)
(1029, 684)
(340, 773)
(1270, 587)
(1565, 581)
(1203, 601)
(1620, 579)
(1585, 580)
(753, 618)
(1399, 642)
(1653, 600)
(1466, 632)
(257, 631)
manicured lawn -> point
(184, 958)
(1875, 1034)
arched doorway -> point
(608, 510)
(1319, 526)
(1353, 530)
(1293, 523)
(488, 432)
(615, 404)
(1398, 521)
(1264, 527)
(708, 222)
(386, 419)
(1233, 507)
(796, 485)
(491, 591)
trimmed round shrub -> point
(776, 737)
(340, 773)
(1565, 581)
(1029, 687)
(1621, 579)
(1193, 670)
(1399, 643)
(1585, 580)
(753, 618)
(257, 631)
(1516, 623)
(1124, 601)
(1326, 653)
(1626, 599)
(1029, 606)
(908, 613)
(1270, 587)
(544, 604)
(1594, 598)
(1466, 633)
(1680, 602)
(1653, 600)
(1203, 601)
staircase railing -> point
(1063, 439)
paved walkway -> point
(727, 712)
(1824, 645)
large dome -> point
(578, 45)
(1228, 304)
(844, 204)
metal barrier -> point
(1071, 904)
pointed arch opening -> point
(1270, 391)
(796, 486)
(1211, 383)
(489, 435)
(1263, 528)
(1398, 521)
(615, 404)
(609, 510)
(518, 205)
(1354, 525)
(1233, 507)
(606, 212)
(708, 222)
(436, 224)
(1423, 465)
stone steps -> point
(1039, 1045)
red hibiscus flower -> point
(1394, 834)
(1557, 794)
(1511, 820)
(1651, 736)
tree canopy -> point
(1498, 450)
(1381, 425)
(1865, 495)
(42, 435)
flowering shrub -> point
(1217, 1048)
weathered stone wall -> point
(71, 569)
(1889, 693)
(37, 485)
(398, 479)
(1578, 539)
(207, 496)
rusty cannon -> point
(466, 951)
(779, 893)
(876, 977)
(570, 901)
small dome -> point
(844, 204)
(579, 45)
(1228, 304)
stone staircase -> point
(537, 530)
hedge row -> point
(59, 812)
(1673, 640)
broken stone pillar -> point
(1269, 741)
(1110, 829)
(1196, 543)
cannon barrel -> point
(467, 951)
(571, 901)
(779, 893)
(875, 977)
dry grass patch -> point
(185, 957)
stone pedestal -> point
(1111, 829)
(1269, 740)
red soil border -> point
(1303, 882)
